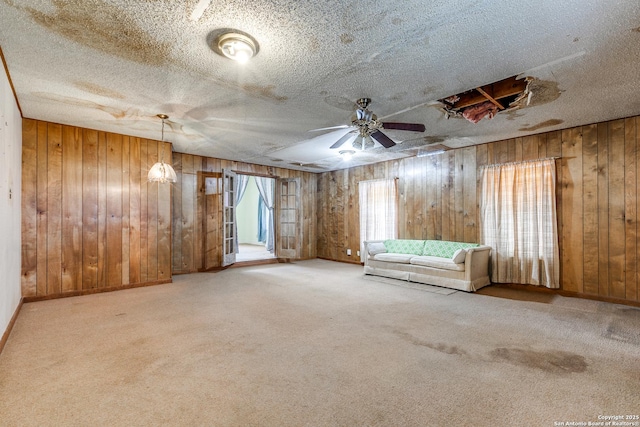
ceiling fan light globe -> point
(347, 155)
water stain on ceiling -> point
(546, 123)
(104, 27)
(263, 92)
(99, 90)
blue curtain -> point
(262, 221)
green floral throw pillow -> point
(445, 249)
(404, 246)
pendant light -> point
(162, 172)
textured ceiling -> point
(114, 65)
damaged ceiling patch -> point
(488, 100)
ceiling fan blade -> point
(414, 127)
(383, 139)
(342, 140)
(329, 128)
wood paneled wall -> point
(597, 200)
(195, 251)
(90, 220)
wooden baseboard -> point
(255, 262)
(343, 261)
(7, 332)
(94, 291)
(544, 290)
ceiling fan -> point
(367, 126)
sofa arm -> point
(364, 251)
(477, 263)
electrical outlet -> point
(349, 252)
(358, 253)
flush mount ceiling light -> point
(162, 172)
(347, 155)
(233, 44)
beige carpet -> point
(314, 343)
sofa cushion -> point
(404, 246)
(376, 248)
(444, 249)
(459, 256)
(436, 262)
(398, 258)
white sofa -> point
(467, 269)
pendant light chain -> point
(162, 140)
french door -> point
(289, 218)
(229, 188)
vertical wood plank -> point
(554, 149)
(514, 150)
(113, 264)
(630, 209)
(402, 198)
(135, 177)
(176, 226)
(448, 218)
(590, 207)
(340, 215)
(431, 197)
(144, 211)
(333, 231)
(42, 202)
(630, 295)
(89, 209)
(482, 159)
(469, 195)
(501, 151)
(572, 258)
(126, 208)
(529, 147)
(71, 209)
(616, 209)
(29, 207)
(459, 196)
(54, 209)
(217, 219)
(188, 213)
(420, 201)
(353, 203)
(491, 158)
(152, 216)
(198, 233)
(164, 220)
(102, 209)
(437, 183)
(603, 209)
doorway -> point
(216, 217)
(252, 221)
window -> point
(378, 210)
(518, 221)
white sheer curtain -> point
(518, 220)
(266, 187)
(378, 210)
(241, 182)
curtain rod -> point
(519, 162)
